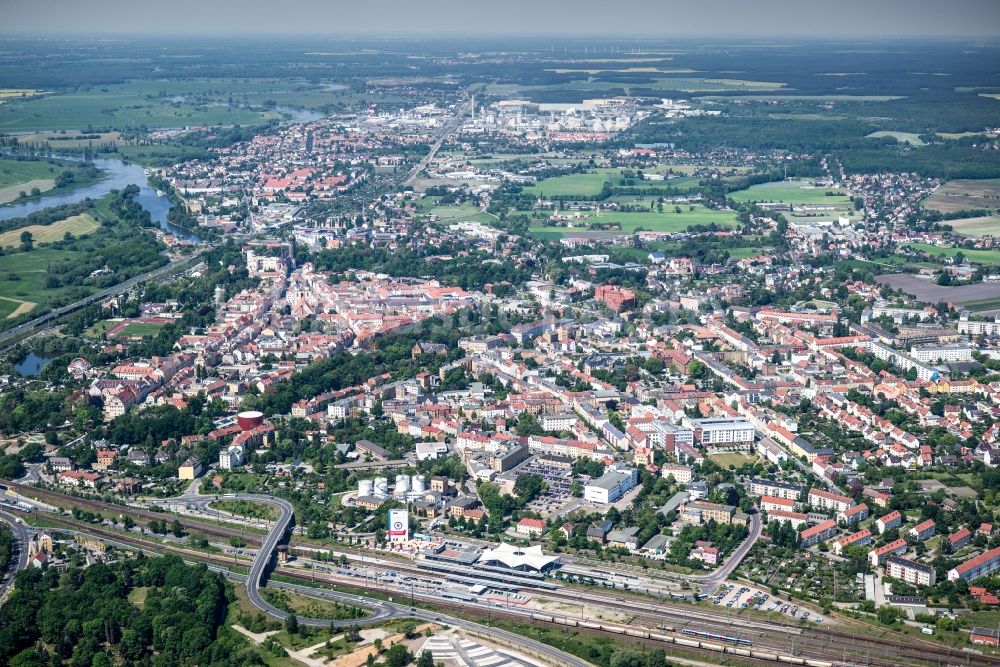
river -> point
(117, 175)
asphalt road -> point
(453, 124)
(21, 536)
(710, 582)
(381, 610)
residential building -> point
(681, 474)
(853, 515)
(700, 511)
(924, 529)
(530, 527)
(818, 533)
(778, 489)
(189, 470)
(909, 571)
(877, 556)
(826, 500)
(858, 539)
(974, 568)
(891, 520)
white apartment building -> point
(231, 457)
(778, 489)
(909, 571)
(722, 431)
(825, 500)
(681, 474)
(933, 353)
(977, 328)
(562, 422)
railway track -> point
(854, 648)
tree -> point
(292, 624)
(26, 241)
(397, 656)
(426, 659)
(529, 486)
(177, 529)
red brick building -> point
(615, 297)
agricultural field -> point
(69, 140)
(77, 225)
(668, 221)
(23, 275)
(979, 297)
(13, 94)
(965, 194)
(22, 176)
(591, 184)
(119, 108)
(974, 256)
(801, 192)
(665, 84)
(987, 225)
(10, 308)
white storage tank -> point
(381, 487)
(402, 485)
(418, 484)
(365, 487)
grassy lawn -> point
(137, 596)
(8, 307)
(579, 185)
(13, 172)
(902, 137)
(141, 329)
(23, 275)
(668, 221)
(245, 508)
(591, 184)
(726, 460)
(98, 329)
(793, 192)
(77, 225)
(17, 176)
(455, 212)
(975, 256)
(310, 607)
(743, 253)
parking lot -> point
(733, 596)
(560, 483)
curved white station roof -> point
(517, 558)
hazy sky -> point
(871, 18)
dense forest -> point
(87, 617)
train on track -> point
(716, 636)
(743, 650)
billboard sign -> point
(399, 525)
